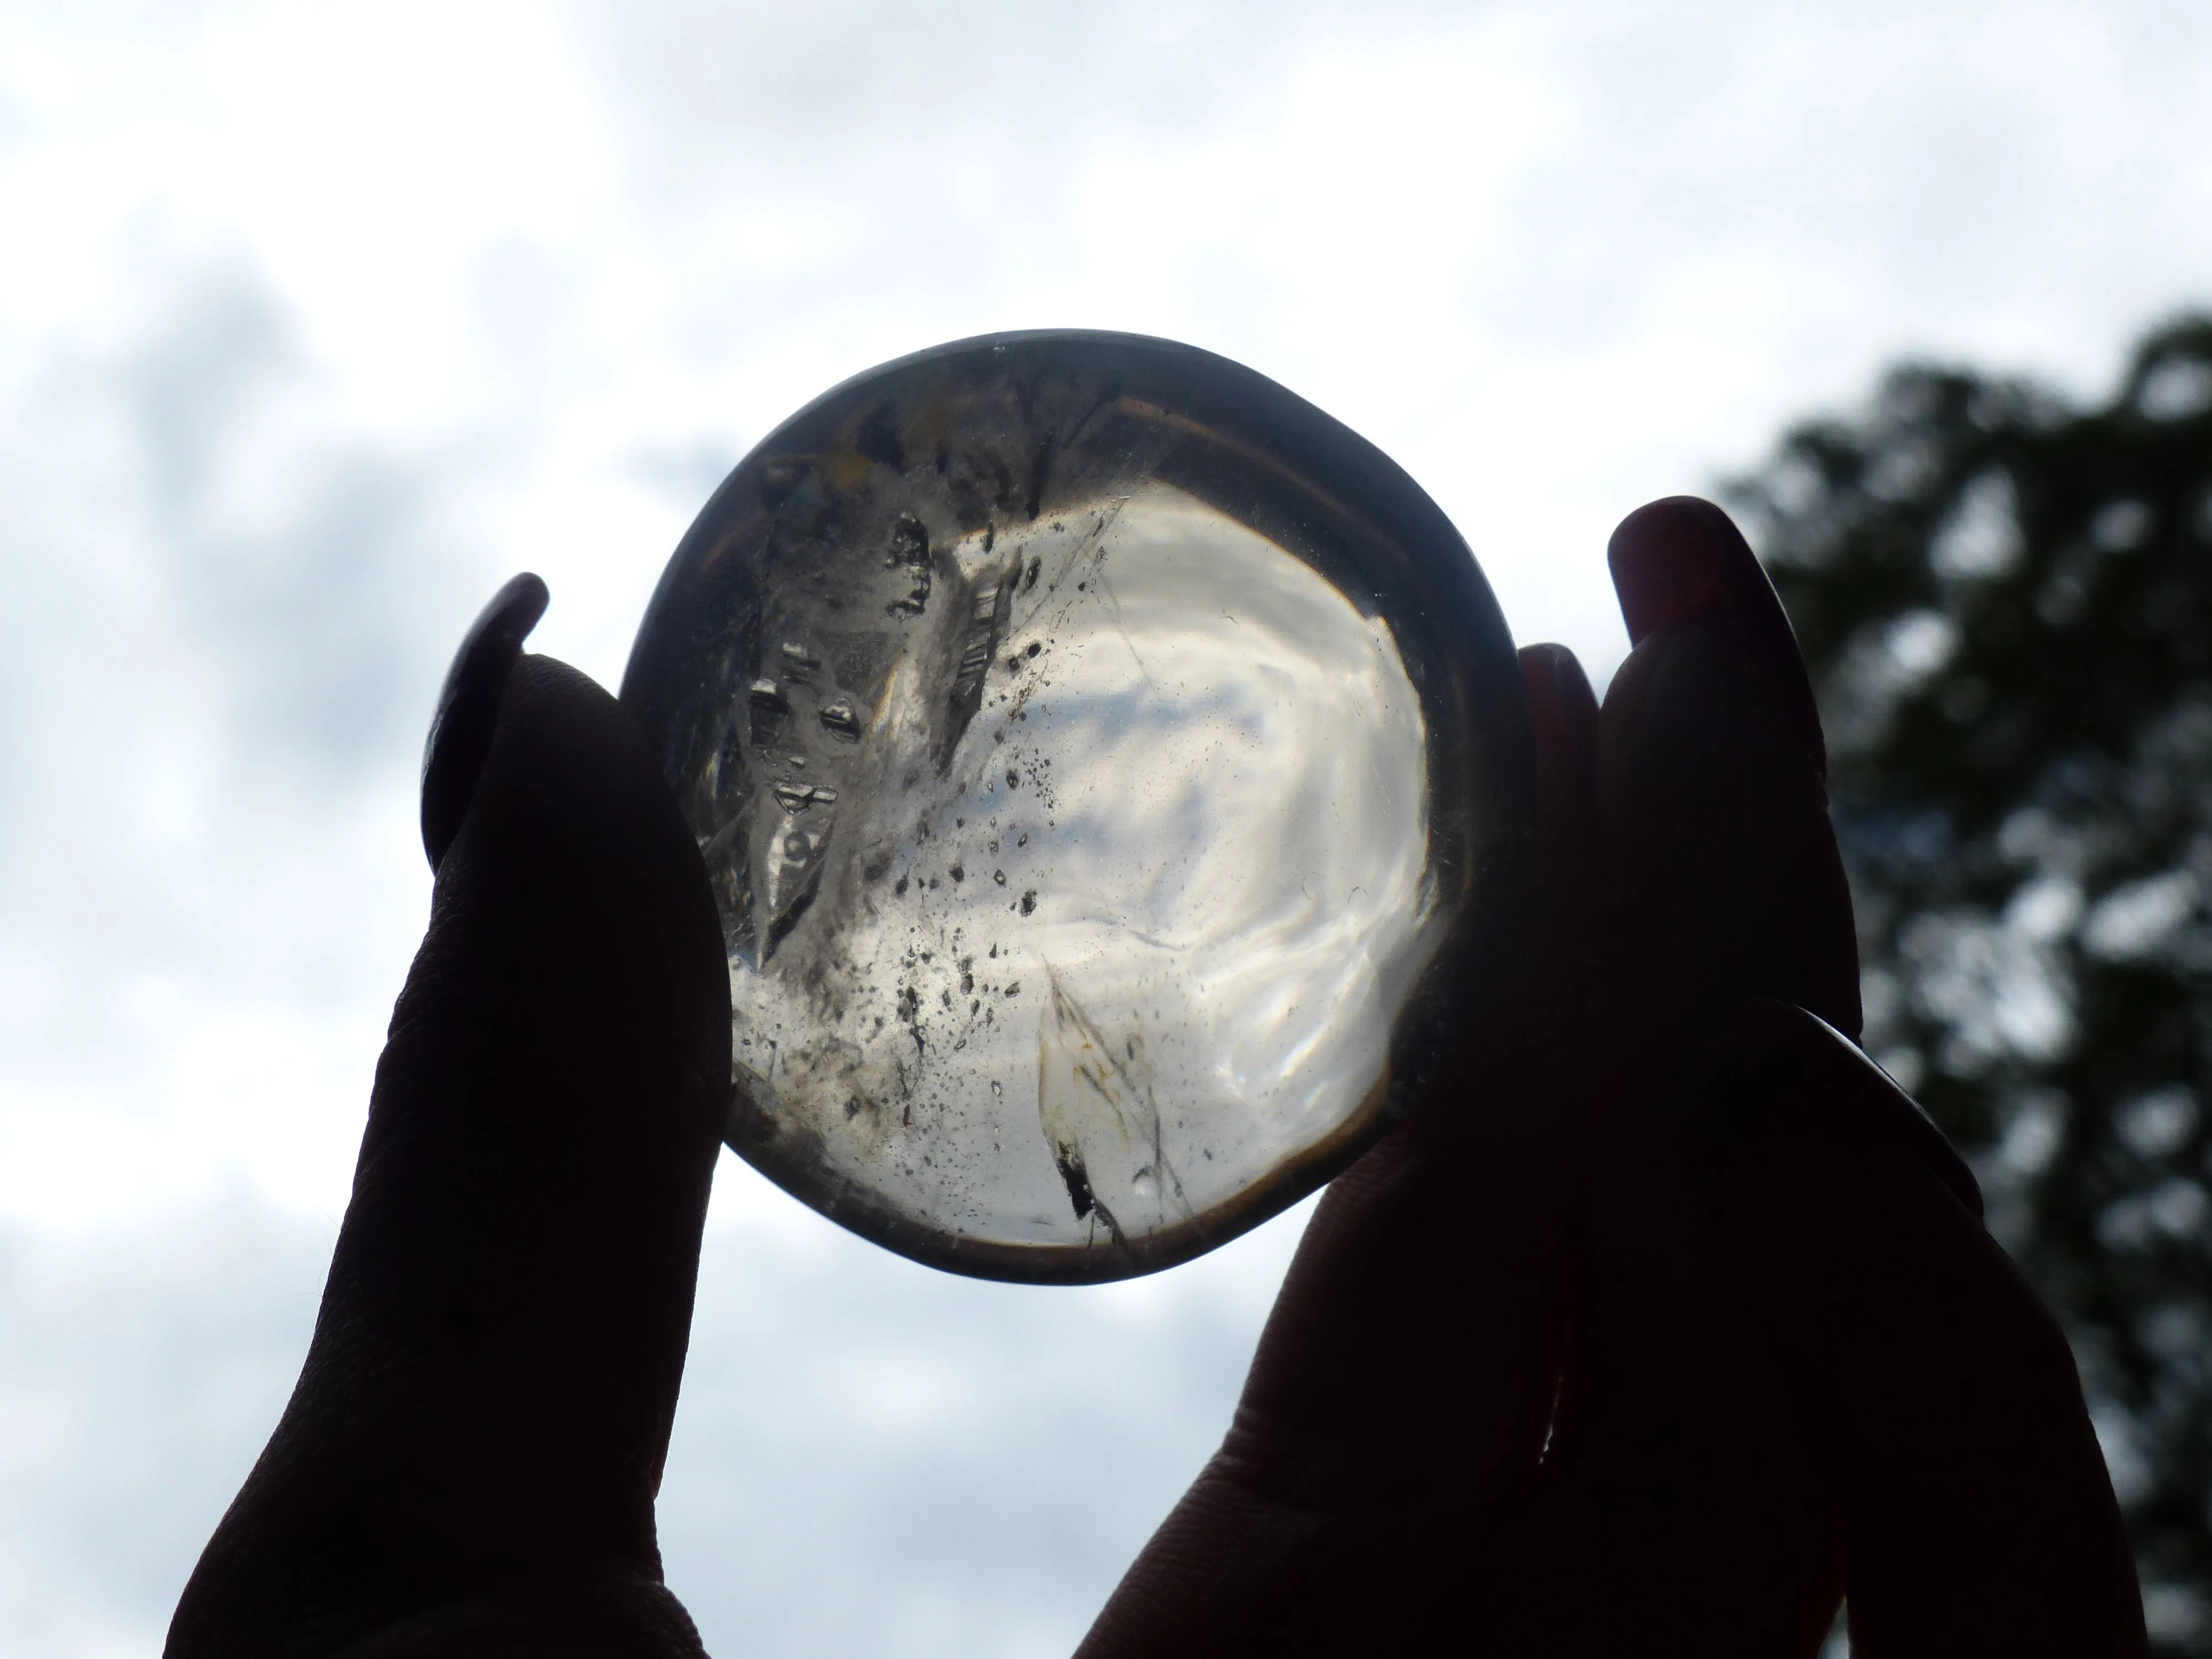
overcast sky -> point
(317, 321)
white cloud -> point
(873, 1457)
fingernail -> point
(1540, 671)
(1666, 559)
(468, 708)
(1562, 708)
(1764, 1048)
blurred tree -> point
(2007, 604)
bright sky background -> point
(316, 321)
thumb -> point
(488, 1396)
(1941, 1395)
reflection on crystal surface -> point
(1068, 800)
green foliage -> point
(2007, 604)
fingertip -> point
(1561, 705)
(1563, 713)
(572, 807)
(1667, 558)
(1682, 558)
(572, 899)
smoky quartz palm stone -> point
(1111, 771)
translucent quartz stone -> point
(1110, 769)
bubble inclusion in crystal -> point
(1108, 769)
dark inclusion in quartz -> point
(1110, 769)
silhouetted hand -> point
(1663, 1322)
(469, 1462)
(1669, 1319)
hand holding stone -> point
(1672, 1320)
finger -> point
(488, 1396)
(1681, 1501)
(1726, 877)
(1550, 970)
(1396, 1408)
(1682, 556)
(1977, 1515)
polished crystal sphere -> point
(1111, 771)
